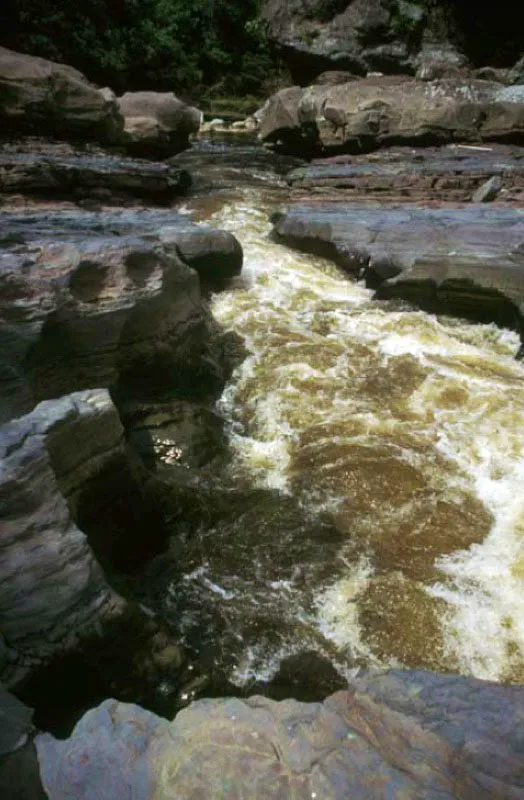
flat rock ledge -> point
(467, 262)
(396, 735)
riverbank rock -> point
(463, 261)
(375, 112)
(44, 98)
(415, 734)
(52, 587)
(19, 769)
(157, 122)
(107, 300)
(391, 36)
(44, 170)
(427, 175)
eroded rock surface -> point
(52, 587)
(48, 170)
(42, 97)
(464, 261)
(107, 299)
(401, 734)
(390, 110)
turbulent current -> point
(385, 451)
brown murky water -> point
(405, 432)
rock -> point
(107, 300)
(158, 122)
(418, 734)
(46, 170)
(19, 770)
(42, 97)
(52, 587)
(425, 175)
(390, 36)
(375, 112)
(334, 77)
(488, 191)
(463, 261)
(516, 74)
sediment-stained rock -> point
(42, 97)
(463, 261)
(401, 734)
(107, 300)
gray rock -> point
(42, 97)
(158, 121)
(488, 191)
(411, 735)
(51, 584)
(19, 772)
(464, 261)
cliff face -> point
(395, 36)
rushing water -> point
(387, 448)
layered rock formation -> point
(382, 111)
(464, 261)
(39, 96)
(390, 35)
(104, 300)
(401, 734)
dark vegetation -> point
(193, 47)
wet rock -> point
(52, 587)
(380, 111)
(426, 175)
(106, 300)
(158, 122)
(19, 769)
(46, 170)
(488, 191)
(42, 97)
(416, 733)
(463, 261)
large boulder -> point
(401, 734)
(107, 300)
(40, 96)
(52, 589)
(464, 261)
(158, 121)
(380, 111)
(389, 35)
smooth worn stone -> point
(52, 587)
(47, 170)
(374, 112)
(488, 191)
(45, 98)
(412, 175)
(402, 734)
(463, 261)
(158, 122)
(107, 299)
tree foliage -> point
(182, 45)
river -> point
(384, 452)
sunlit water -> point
(404, 434)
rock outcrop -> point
(43, 170)
(52, 587)
(389, 110)
(464, 261)
(107, 300)
(389, 35)
(157, 122)
(44, 98)
(401, 734)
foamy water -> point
(407, 430)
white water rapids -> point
(408, 431)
